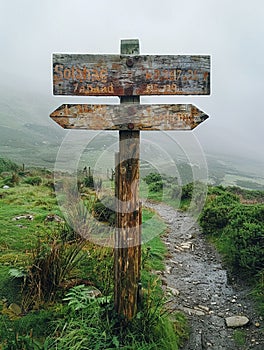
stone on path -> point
(236, 321)
(173, 291)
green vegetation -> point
(151, 329)
(234, 219)
(56, 289)
(103, 209)
(161, 188)
(167, 189)
(239, 337)
(7, 165)
(155, 182)
(33, 180)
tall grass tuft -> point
(53, 261)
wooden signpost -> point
(128, 117)
(128, 76)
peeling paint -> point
(115, 75)
(128, 117)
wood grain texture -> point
(129, 117)
(127, 254)
(128, 226)
(130, 74)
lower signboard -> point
(129, 116)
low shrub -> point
(215, 215)
(88, 181)
(156, 186)
(238, 230)
(7, 165)
(153, 178)
(33, 180)
(104, 210)
(242, 240)
(187, 191)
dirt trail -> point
(199, 287)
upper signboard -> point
(123, 75)
(128, 117)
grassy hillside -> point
(51, 280)
(7, 165)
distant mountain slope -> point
(32, 144)
(29, 136)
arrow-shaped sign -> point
(128, 117)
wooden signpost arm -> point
(128, 216)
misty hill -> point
(29, 136)
(37, 145)
(31, 144)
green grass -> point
(163, 195)
(258, 292)
(152, 328)
(239, 337)
(9, 287)
(7, 165)
(19, 237)
(152, 225)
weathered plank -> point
(128, 75)
(129, 117)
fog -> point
(231, 32)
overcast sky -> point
(232, 32)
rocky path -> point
(198, 286)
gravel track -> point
(198, 285)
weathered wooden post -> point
(128, 76)
(128, 225)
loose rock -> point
(27, 217)
(236, 321)
(53, 218)
(168, 269)
(173, 291)
(204, 308)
